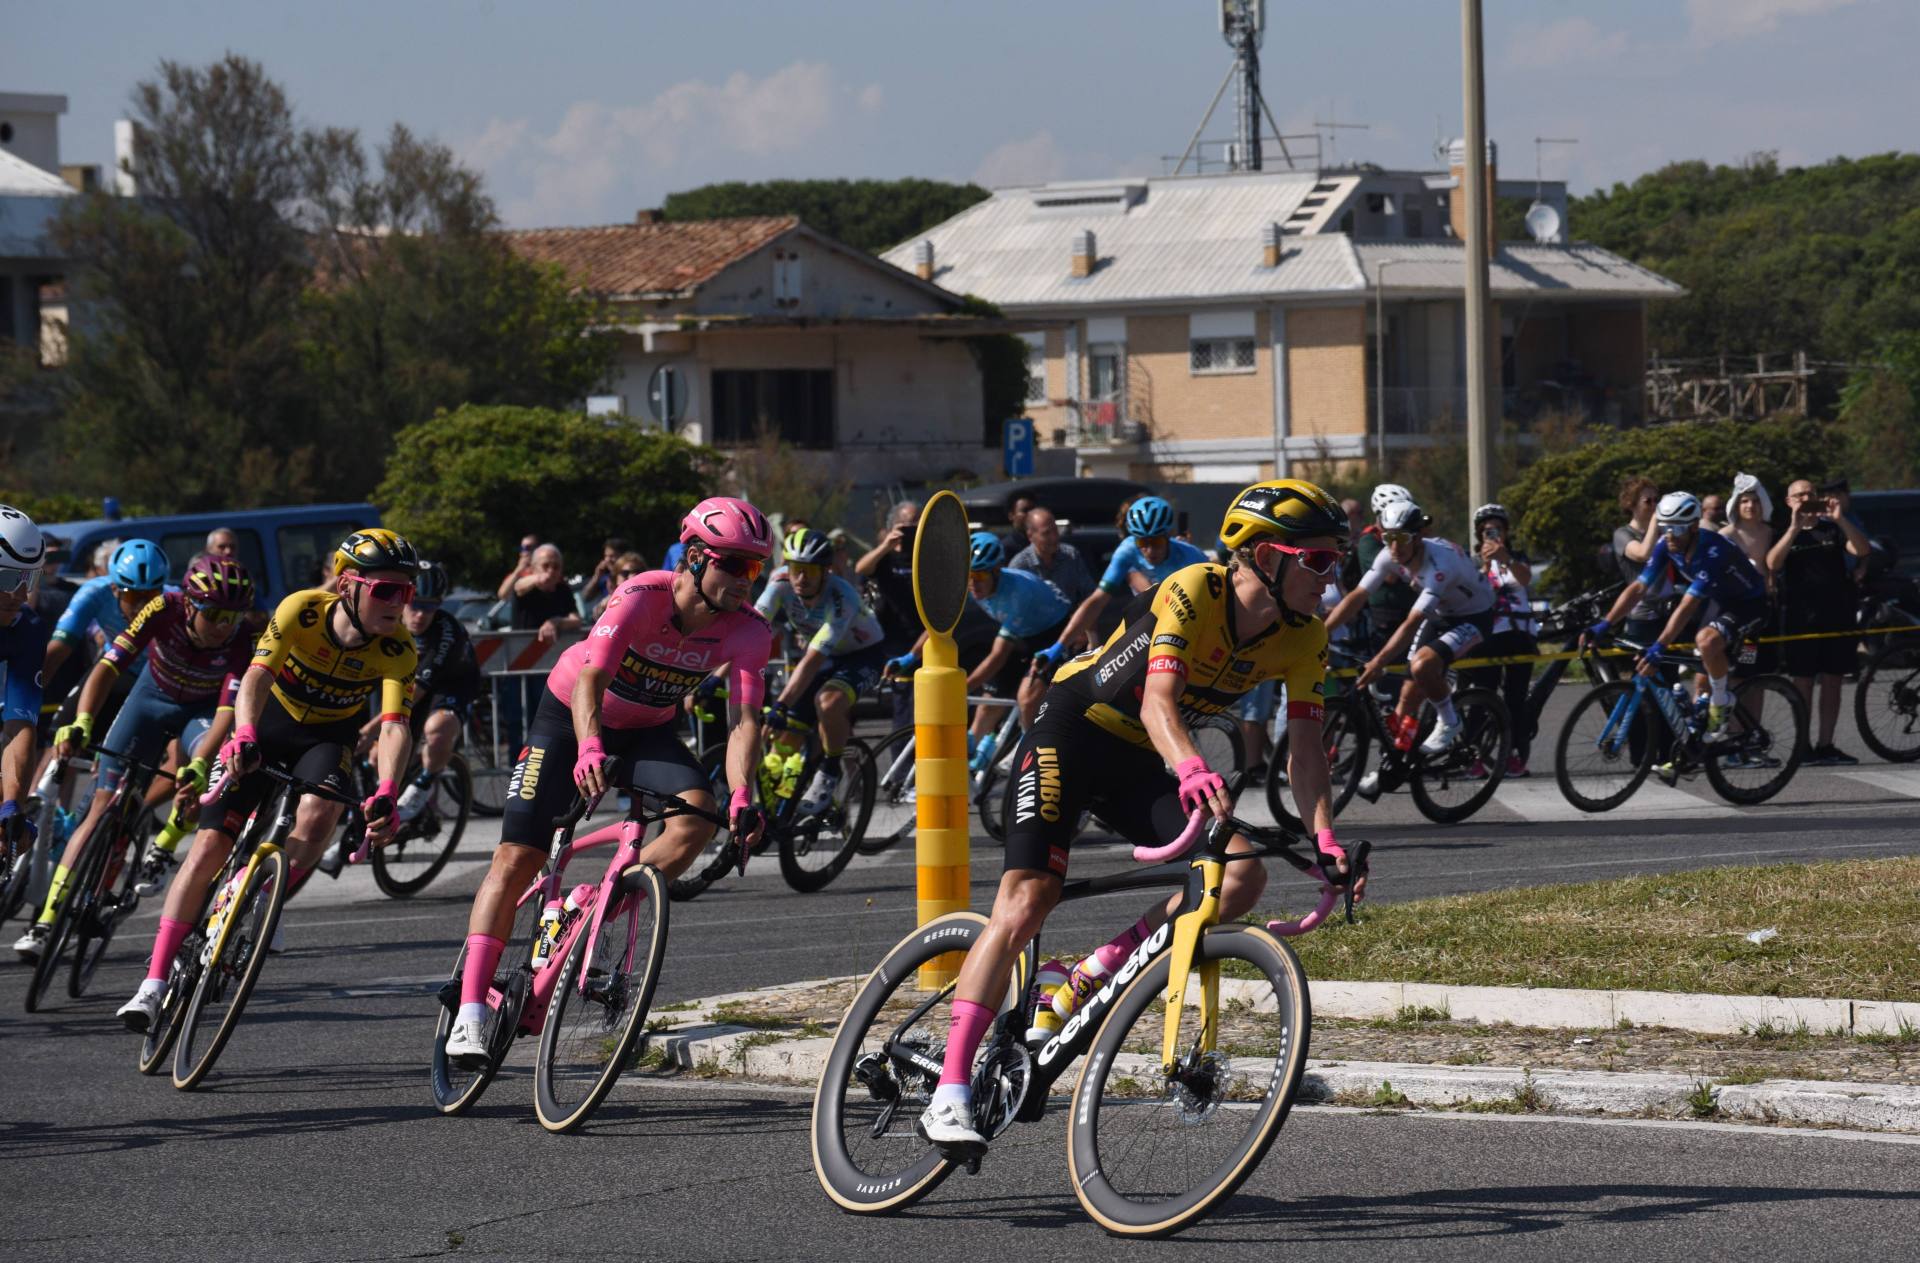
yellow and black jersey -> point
(1185, 625)
(321, 681)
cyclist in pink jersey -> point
(615, 695)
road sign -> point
(1017, 452)
(667, 396)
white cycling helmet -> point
(1403, 515)
(23, 549)
(1387, 493)
(1677, 511)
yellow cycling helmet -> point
(1284, 509)
(375, 548)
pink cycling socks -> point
(970, 1023)
(166, 943)
(483, 953)
(295, 874)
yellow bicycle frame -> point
(260, 852)
(1187, 929)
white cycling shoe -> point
(949, 1126)
(143, 1010)
(467, 1045)
(819, 795)
(1369, 786)
(33, 942)
(1441, 739)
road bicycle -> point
(584, 979)
(26, 878)
(422, 846)
(101, 889)
(1179, 1096)
(213, 975)
(813, 847)
(1886, 699)
(1447, 787)
(1610, 740)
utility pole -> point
(1480, 382)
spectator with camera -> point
(1813, 558)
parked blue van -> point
(284, 549)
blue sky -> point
(584, 112)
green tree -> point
(869, 215)
(467, 484)
(1568, 503)
(185, 383)
(1880, 416)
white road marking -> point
(1540, 801)
(1900, 780)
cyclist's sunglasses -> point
(1395, 537)
(388, 591)
(811, 569)
(1320, 561)
(424, 607)
(13, 582)
(218, 617)
(737, 566)
(981, 574)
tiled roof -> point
(650, 259)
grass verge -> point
(1845, 931)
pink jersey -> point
(653, 663)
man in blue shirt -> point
(136, 573)
(1717, 576)
(1147, 555)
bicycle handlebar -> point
(658, 806)
(285, 778)
(1176, 848)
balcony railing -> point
(1103, 423)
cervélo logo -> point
(1096, 1004)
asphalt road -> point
(315, 1137)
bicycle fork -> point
(227, 914)
(1202, 901)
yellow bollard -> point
(940, 778)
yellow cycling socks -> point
(56, 894)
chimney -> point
(923, 260)
(1272, 246)
(124, 184)
(1085, 251)
(643, 217)
(1457, 198)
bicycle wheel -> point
(114, 900)
(816, 849)
(995, 790)
(719, 855)
(895, 802)
(232, 969)
(1343, 730)
(82, 888)
(881, 1072)
(421, 847)
(1598, 761)
(1763, 744)
(1152, 1152)
(490, 766)
(455, 1090)
(1886, 704)
(1219, 742)
(1449, 787)
(600, 1003)
(183, 976)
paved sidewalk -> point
(703, 1041)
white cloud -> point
(1034, 160)
(597, 150)
(1713, 21)
(1566, 42)
(872, 97)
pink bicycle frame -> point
(625, 832)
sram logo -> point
(1097, 1003)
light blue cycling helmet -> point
(140, 565)
(1150, 517)
(984, 552)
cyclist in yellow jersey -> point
(1117, 717)
(322, 656)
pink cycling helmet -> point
(728, 525)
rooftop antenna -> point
(1333, 128)
(1243, 25)
(1543, 220)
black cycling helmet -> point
(433, 583)
(807, 547)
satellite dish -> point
(1543, 222)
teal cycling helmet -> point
(1150, 517)
(984, 552)
(139, 565)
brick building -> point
(1214, 328)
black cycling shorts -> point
(1453, 638)
(1739, 622)
(857, 672)
(541, 788)
(1065, 765)
(458, 696)
(318, 753)
(1007, 682)
(123, 682)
